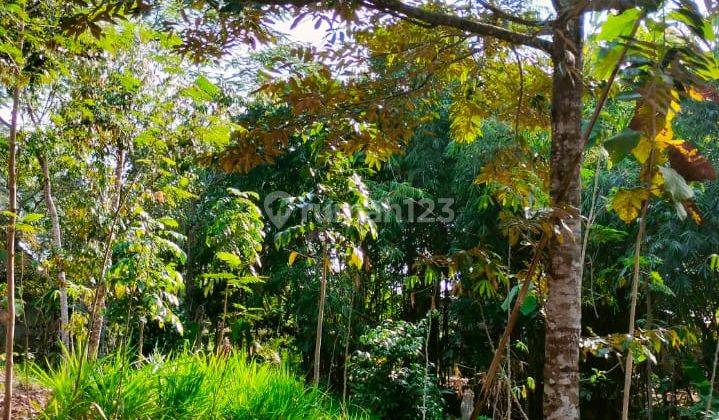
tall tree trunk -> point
(57, 245)
(347, 348)
(708, 410)
(320, 317)
(650, 388)
(563, 307)
(98, 318)
(12, 208)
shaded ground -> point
(28, 399)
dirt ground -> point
(27, 399)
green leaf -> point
(657, 284)
(620, 145)
(32, 217)
(530, 383)
(605, 61)
(529, 304)
(600, 234)
(206, 86)
(169, 222)
(510, 297)
(219, 276)
(619, 25)
(230, 259)
(714, 262)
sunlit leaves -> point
(618, 26)
(467, 119)
(356, 257)
(202, 90)
(236, 231)
(628, 203)
(230, 259)
(145, 269)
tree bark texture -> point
(563, 306)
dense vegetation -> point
(458, 208)
(184, 386)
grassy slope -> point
(187, 386)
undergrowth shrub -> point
(388, 373)
(184, 386)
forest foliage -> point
(481, 208)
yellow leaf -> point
(666, 137)
(357, 257)
(627, 203)
(657, 184)
(120, 290)
(693, 94)
(293, 257)
(466, 123)
(643, 149)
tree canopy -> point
(445, 208)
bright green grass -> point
(186, 386)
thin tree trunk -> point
(495, 365)
(57, 245)
(633, 309)
(711, 382)
(223, 322)
(509, 314)
(426, 365)
(650, 393)
(320, 316)
(98, 309)
(563, 307)
(12, 208)
(141, 340)
(347, 349)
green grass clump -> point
(186, 386)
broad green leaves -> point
(618, 26)
(202, 90)
(528, 305)
(620, 145)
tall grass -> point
(186, 386)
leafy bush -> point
(387, 374)
(187, 386)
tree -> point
(398, 62)
(565, 52)
(335, 220)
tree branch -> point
(432, 19)
(467, 25)
(508, 16)
(604, 5)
